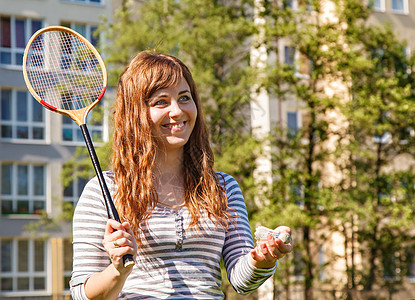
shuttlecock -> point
(262, 232)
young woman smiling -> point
(179, 215)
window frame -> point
(14, 50)
(77, 185)
(30, 196)
(405, 9)
(30, 124)
(381, 7)
(297, 115)
(293, 4)
(86, 2)
(30, 273)
(291, 56)
(72, 127)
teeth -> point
(180, 125)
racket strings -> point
(63, 71)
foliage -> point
(359, 134)
(372, 128)
(211, 38)
(382, 149)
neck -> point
(169, 179)
(169, 163)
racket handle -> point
(109, 204)
(128, 261)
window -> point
(289, 55)
(87, 1)
(379, 5)
(72, 133)
(22, 117)
(301, 64)
(383, 139)
(73, 190)
(309, 5)
(291, 4)
(23, 189)
(23, 265)
(292, 122)
(400, 6)
(86, 30)
(14, 33)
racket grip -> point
(128, 261)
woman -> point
(179, 215)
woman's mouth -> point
(175, 126)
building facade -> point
(34, 144)
(267, 111)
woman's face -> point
(172, 115)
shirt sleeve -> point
(243, 276)
(89, 255)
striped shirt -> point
(174, 262)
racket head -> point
(64, 72)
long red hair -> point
(134, 149)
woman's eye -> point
(159, 102)
(185, 99)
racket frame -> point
(79, 116)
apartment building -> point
(268, 110)
(34, 143)
(400, 14)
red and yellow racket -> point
(65, 73)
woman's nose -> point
(175, 109)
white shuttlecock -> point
(262, 232)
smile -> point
(175, 126)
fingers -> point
(118, 241)
(275, 247)
(122, 242)
(113, 225)
(265, 251)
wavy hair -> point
(134, 148)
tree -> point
(300, 158)
(341, 134)
(211, 38)
(382, 111)
(362, 197)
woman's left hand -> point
(270, 249)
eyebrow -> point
(180, 93)
(163, 95)
(184, 92)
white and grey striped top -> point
(175, 262)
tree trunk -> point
(308, 282)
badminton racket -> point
(65, 73)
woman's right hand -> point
(118, 241)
